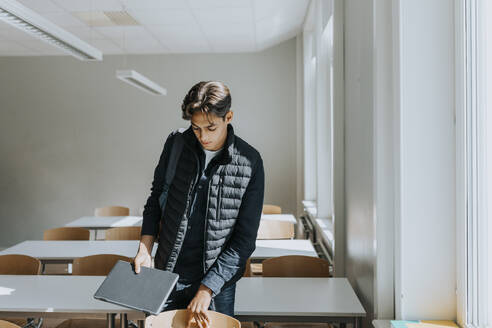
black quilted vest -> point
(229, 178)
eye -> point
(195, 128)
(210, 129)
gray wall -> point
(73, 137)
(359, 154)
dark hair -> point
(208, 97)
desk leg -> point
(357, 322)
(123, 320)
(141, 323)
(110, 317)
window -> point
(474, 162)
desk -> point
(298, 299)
(57, 297)
(65, 251)
(96, 223)
(268, 248)
(259, 299)
(280, 217)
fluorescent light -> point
(138, 80)
(30, 22)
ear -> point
(229, 116)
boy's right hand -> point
(143, 258)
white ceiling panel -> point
(204, 4)
(154, 4)
(224, 16)
(106, 46)
(89, 5)
(64, 19)
(166, 26)
(162, 16)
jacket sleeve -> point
(152, 210)
(242, 243)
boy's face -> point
(210, 130)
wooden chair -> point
(247, 272)
(271, 209)
(271, 229)
(19, 264)
(7, 324)
(96, 265)
(123, 233)
(112, 211)
(178, 319)
(67, 233)
(296, 266)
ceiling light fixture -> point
(29, 21)
(138, 80)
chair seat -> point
(21, 322)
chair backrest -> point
(247, 272)
(67, 234)
(19, 264)
(123, 233)
(296, 266)
(6, 324)
(272, 229)
(96, 265)
(271, 209)
(112, 211)
(179, 319)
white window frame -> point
(473, 177)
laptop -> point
(147, 291)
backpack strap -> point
(176, 149)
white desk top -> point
(266, 249)
(296, 297)
(106, 222)
(280, 217)
(71, 249)
(54, 294)
(67, 250)
(255, 297)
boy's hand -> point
(198, 307)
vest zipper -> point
(205, 229)
(219, 197)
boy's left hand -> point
(198, 307)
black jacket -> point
(233, 212)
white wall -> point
(400, 157)
(426, 219)
(73, 137)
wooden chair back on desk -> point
(271, 209)
(96, 265)
(67, 233)
(19, 265)
(112, 211)
(123, 233)
(296, 266)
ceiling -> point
(165, 26)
